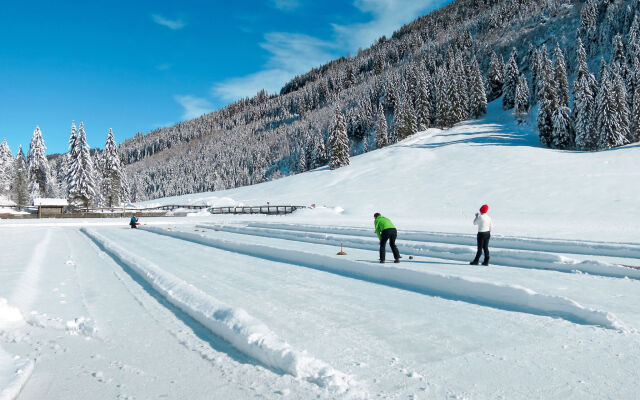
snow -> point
(232, 306)
(49, 202)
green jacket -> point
(382, 223)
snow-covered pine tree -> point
(423, 103)
(584, 101)
(6, 169)
(82, 188)
(38, 167)
(607, 126)
(634, 133)
(510, 82)
(458, 104)
(404, 121)
(381, 129)
(535, 68)
(443, 100)
(561, 81)
(339, 142)
(319, 153)
(301, 164)
(622, 108)
(547, 101)
(495, 78)
(619, 58)
(20, 186)
(112, 182)
(521, 103)
(477, 94)
(563, 136)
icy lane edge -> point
(476, 291)
(244, 332)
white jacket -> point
(484, 222)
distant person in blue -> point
(134, 222)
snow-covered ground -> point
(262, 306)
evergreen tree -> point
(113, 190)
(20, 181)
(563, 136)
(82, 188)
(510, 82)
(319, 155)
(6, 169)
(535, 68)
(495, 78)
(622, 108)
(443, 100)
(521, 103)
(608, 129)
(72, 155)
(562, 84)
(423, 103)
(381, 129)
(547, 101)
(38, 167)
(584, 99)
(477, 95)
(339, 142)
(301, 164)
(634, 134)
(404, 122)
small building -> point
(49, 207)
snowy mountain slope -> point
(436, 180)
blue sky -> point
(139, 65)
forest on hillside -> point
(574, 64)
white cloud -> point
(293, 54)
(388, 16)
(285, 5)
(193, 106)
(174, 24)
(290, 55)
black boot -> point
(474, 262)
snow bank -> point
(506, 257)
(491, 294)
(10, 317)
(241, 330)
(586, 247)
(14, 372)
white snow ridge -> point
(244, 332)
(491, 294)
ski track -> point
(585, 247)
(241, 330)
(504, 257)
(475, 291)
(26, 289)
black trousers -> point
(483, 244)
(389, 234)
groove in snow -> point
(476, 291)
(244, 332)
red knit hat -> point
(484, 209)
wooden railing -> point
(268, 209)
(271, 210)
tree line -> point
(84, 179)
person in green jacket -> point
(386, 231)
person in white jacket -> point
(484, 234)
